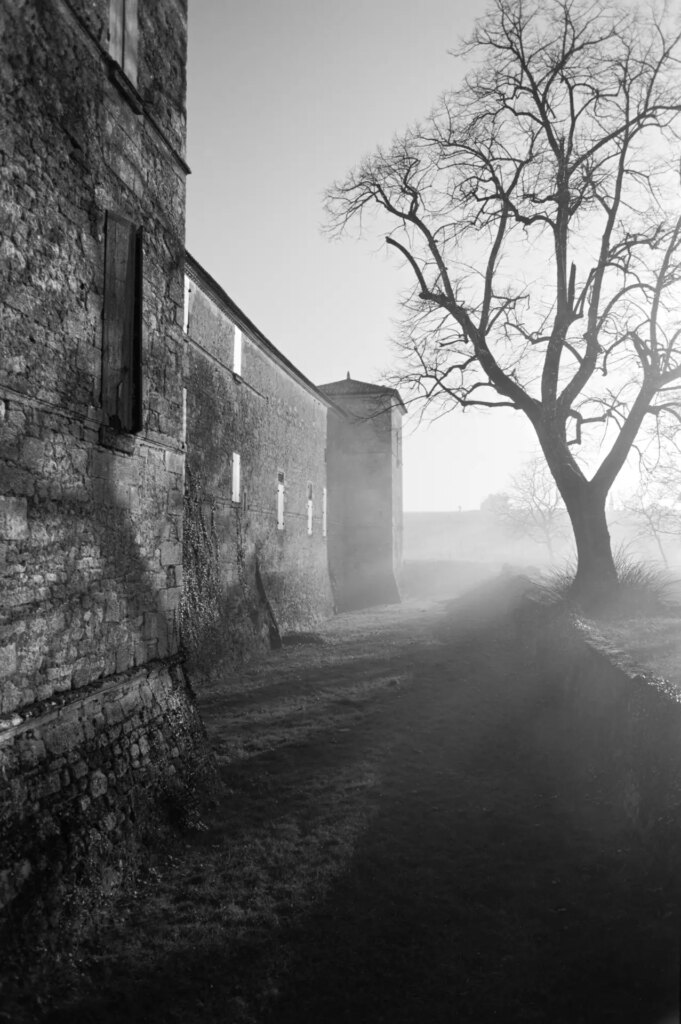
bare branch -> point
(538, 210)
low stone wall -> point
(622, 730)
(85, 778)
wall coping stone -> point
(595, 636)
(44, 712)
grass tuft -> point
(643, 590)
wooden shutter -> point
(136, 339)
(116, 29)
(130, 42)
(124, 35)
(121, 348)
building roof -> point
(348, 387)
(200, 276)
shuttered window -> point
(123, 35)
(122, 337)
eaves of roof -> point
(201, 277)
(350, 388)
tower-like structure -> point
(364, 473)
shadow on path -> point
(446, 851)
(493, 884)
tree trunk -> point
(596, 578)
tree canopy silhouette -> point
(538, 208)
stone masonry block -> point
(150, 626)
(171, 553)
(51, 784)
(169, 600)
(33, 453)
(13, 518)
(175, 462)
(31, 752)
(8, 660)
(101, 464)
(63, 736)
(175, 500)
(98, 784)
(130, 702)
(124, 657)
(124, 472)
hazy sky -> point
(284, 98)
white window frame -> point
(185, 314)
(323, 511)
(310, 509)
(280, 500)
(236, 477)
(238, 351)
(184, 415)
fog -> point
(446, 553)
(479, 537)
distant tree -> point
(539, 211)
(495, 505)
(535, 507)
(655, 506)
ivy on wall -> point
(219, 629)
(200, 608)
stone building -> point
(365, 491)
(147, 430)
(256, 477)
(95, 707)
(293, 502)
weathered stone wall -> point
(277, 423)
(92, 547)
(86, 776)
(90, 518)
(365, 490)
(620, 732)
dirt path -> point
(401, 835)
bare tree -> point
(538, 210)
(535, 508)
(496, 505)
(655, 506)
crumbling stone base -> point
(84, 778)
